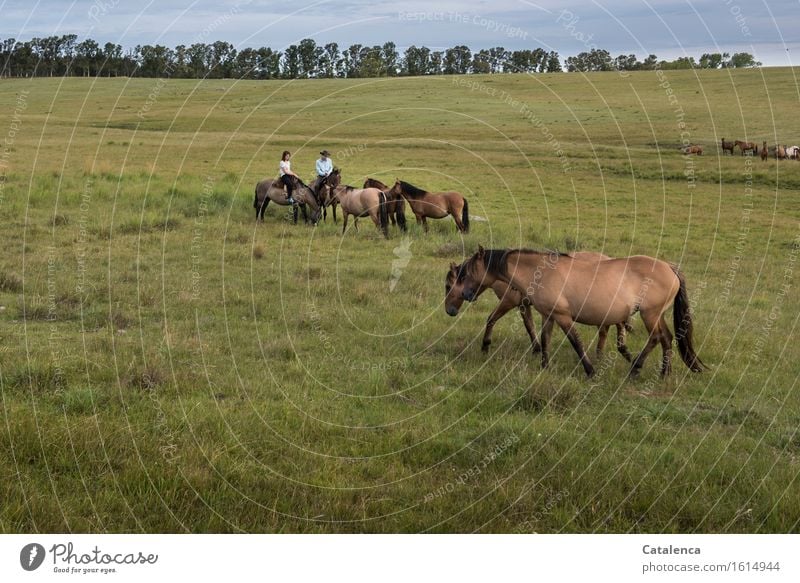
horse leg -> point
(568, 326)
(294, 214)
(666, 348)
(525, 312)
(651, 322)
(501, 310)
(264, 207)
(547, 331)
(355, 223)
(425, 223)
(459, 224)
(344, 221)
(621, 346)
(601, 340)
(334, 212)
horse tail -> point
(383, 214)
(465, 216)
(400, 213)
(682, 318)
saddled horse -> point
(727, 147)
(323, 188)
(436, 205)
(394, 203)
(363, 202)
(751, 147)
(511, 298)
(272, 189)
(566, 290)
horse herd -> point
(565, 288)
(778, 152)
(376, 200)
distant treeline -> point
(57, 56)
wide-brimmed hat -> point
(324, 153)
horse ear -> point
(480, 251)
(453, 267)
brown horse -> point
(727, 147)
(510, 299)
(436, 205)
(751, 147)
(272, 189)
(363, 202)
(394, 203)
(693, 150)
(764, 151)
(566, 290)
(780, 152)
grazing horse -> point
(764, 151)
(566, 290)
(272, 189)
(363, 202)
(751, 147)
(727, 147)
(436, 205)
(693, 150)
(510, 299)
(394, 203)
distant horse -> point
(751, 147)
(567, 290)
(693, 150)
(793, 152)
(436, 205)
(363, 202)
(272, 189)
(510, 299)
(727, 146)
(394, 203)
(780, 152)
(764, 151)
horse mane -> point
(411, 190)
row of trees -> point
(601, 60)
(57, 56)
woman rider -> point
(287, 174)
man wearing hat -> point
(324, 167)
(324, 164)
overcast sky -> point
(667, 28)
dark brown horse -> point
(751, 147)
(394, 203)
(727, 147)
(566, 290)
(510, 299)
(436, 205)
(764, 151)
(272, 189)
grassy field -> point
(169, 365)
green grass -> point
(169, 365)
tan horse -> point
(751, 147)
(394, 203)
(363, 202)
(510, 299)
(436, 205)
(272, 189)
(780, 152)
(693, 150)
(566, 290)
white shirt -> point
(285, 167)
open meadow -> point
(167, 364)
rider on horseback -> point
(287, 175)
